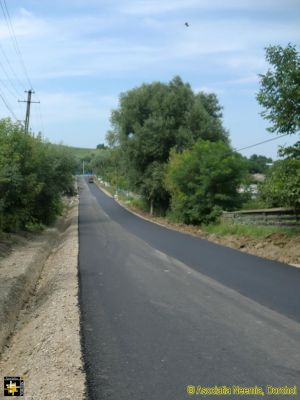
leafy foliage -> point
(101, 146)
(280, 89)
(108, 164)
(290, 152)
(280, 96)
(154, 118)
(33, 176)
(204, 180)
(282, 185)
(257, 164)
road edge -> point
(205, 237)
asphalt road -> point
(162, 310)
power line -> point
(21, 60)
(14, 39)
(8, 79)
(7, 88)
(265, 141)
(11, 68)
(4, 85)
(8, 106)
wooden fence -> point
(272, 216)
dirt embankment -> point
(44, 347)
(276, 246)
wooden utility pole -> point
(28, 101)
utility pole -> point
(28, 101)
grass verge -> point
(224, 229)
(221, 229)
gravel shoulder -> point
(45, 346)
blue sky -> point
(81, 54)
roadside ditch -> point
(39, 313)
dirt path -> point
(45, 347)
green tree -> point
(258, 164)
(280, 89)
(204, 180)
(33, 177)
(280, 96)
(101, 146)
(154, 118)
(282, 185)
(290, 152)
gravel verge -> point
(45, 347)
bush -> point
(282, 185)
(203, 181)
(33, 177)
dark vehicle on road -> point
(91, 179)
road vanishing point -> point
(162, 310)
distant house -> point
(253, 187)
(258, 177)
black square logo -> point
(13, 386)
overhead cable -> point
(14, 39)
(265, 141)
(5, 102)
(11, 68)
(14, 89)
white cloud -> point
(207, 89)
(25, 12)
(25, 24)
(253, 78)
(156, 7)
(242, 61)
(93, 45)
(92, 42)
(74, 107)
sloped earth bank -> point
(276, 246)
(45, 345)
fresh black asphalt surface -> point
(161, 310)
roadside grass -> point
(128, 201)
(34, 227)
(110, 189)
(224, 229)
(221, 229)
(253, 204)
(138, 204)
